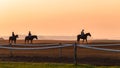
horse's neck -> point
(87, 34)
(15, 36)
(34, 37)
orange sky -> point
(61, 17)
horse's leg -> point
(86, 41)
(77, 40)
(9, 41)
(31, 41)
(25, 41)
(15, 41)
(28, 41)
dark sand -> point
(84, 56)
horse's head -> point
(35, 37)
(88, 34)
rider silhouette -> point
(82, 33)
(13, 34)
(29, 34)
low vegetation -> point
(47, 65)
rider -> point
(13, 34)
(82, 32)
(29, 34)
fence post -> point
(75, 53)
(60, 50)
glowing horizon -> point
(61, 17)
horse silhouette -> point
(30, 38)
(12, 39)
(83, 37)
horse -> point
(30, 38)
(12, 39)
(84, 37)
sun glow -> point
(61, 17)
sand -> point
(84, 56)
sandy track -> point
(85, 56)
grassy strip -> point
(48, 65)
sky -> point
(61, 17)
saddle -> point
(82, 36)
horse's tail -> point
(78, 38)
(9, 39)
(25, 39)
